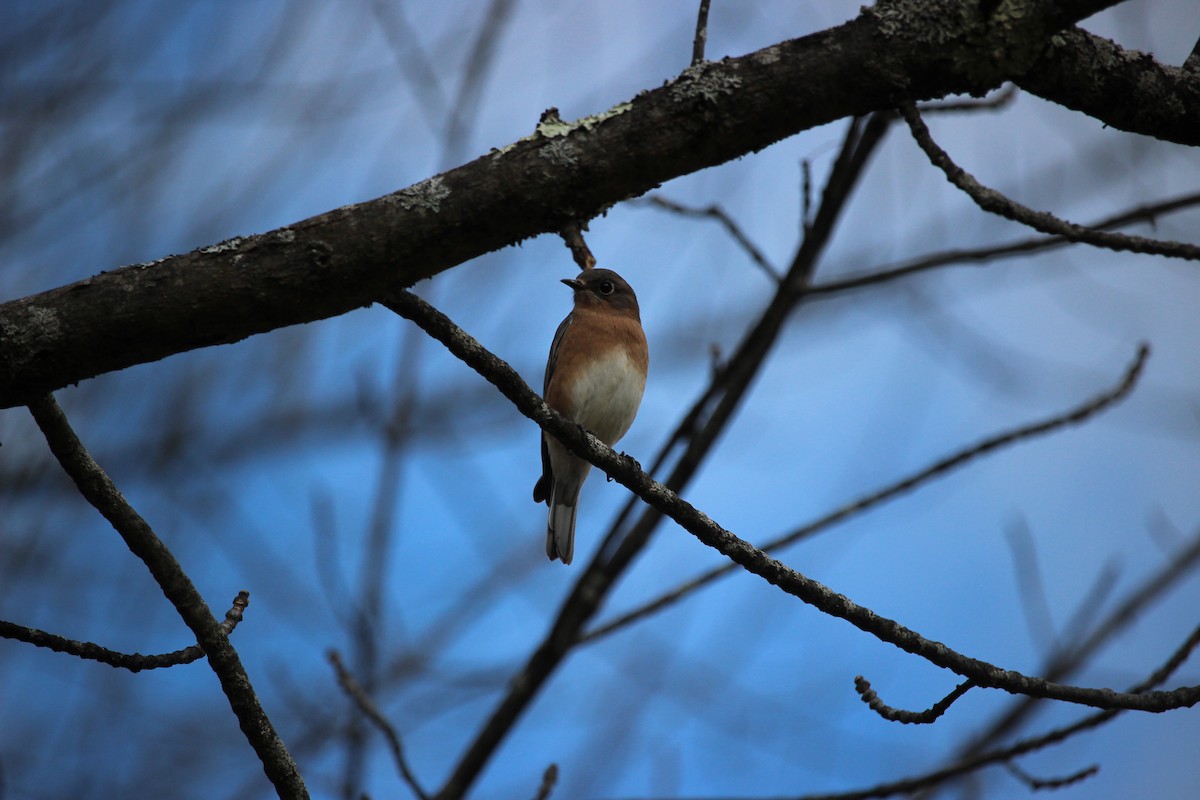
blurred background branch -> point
(374, 495)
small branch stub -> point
(572, 234)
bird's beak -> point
(573, 283)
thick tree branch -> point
(893, 53)
(1125, 89)
(99, 490)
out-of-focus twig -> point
(371, 711)
(701, 38)
(1073, 416)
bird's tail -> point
(560, 529)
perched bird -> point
(595, 376)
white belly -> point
(606, 397)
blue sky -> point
(177, 126)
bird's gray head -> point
(604, 289)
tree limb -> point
(1124, 89)
(892, 53)
(628, 473)
(99, 490)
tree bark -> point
(894, 52)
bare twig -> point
(371, 711)
(1074, 416)
(1072, 656)
(1143, 213)
(929, 715)
(805, 196)
(996, 203)
(549, 779)
(992, 102)
(701, 33)
(134, 662)
(1004, 755)
(572, 234)
(1192, 62)
(99, 490)
(1031, 588)
(731, 227)
(1037, 784)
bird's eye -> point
(607, 288)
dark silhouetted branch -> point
(929, 715)
(1142, 213)
(1038, 784)
(134, 662)
(367, 706)
(549, 779)
(572, 234)
(1074, 416)
(732, 228)
(701, 38)
(96, 487)
(626, 471)
(1124, 89)
(994, 202)
(343, 259)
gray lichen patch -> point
(223, 247)
(425, 197)
(560, 153)
(555, 128)
(704, 82)
(46, 320)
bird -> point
(595, 376)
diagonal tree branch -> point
(941, 467)
(697, 431)
(892, 53)
(99, 490)
(1125, 89)
(626, 471)
(994, 202)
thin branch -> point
(1037, 784)
(626, 471)
(371, 711)
(697, 431)
(701, 33)
(941, 467)
(572, 234)
(1192, 62)
(134, 662)
(1031, 585)
(1004, 755)
(992, 102)
(994, 202)
(549, 779)
(1142, 213)
(929, 715)
(99, 490)
(805, 196)
(1073, 656)
(731, 227)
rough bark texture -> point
(895, 52)
(1125, 89)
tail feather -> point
(560, 531)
